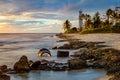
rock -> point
(99, 64)
(22, 65)
(63, 54)
(54, 47)
(4, 68)
(30, 63)
(35, 65)
(1, 72)
(84, 54)
(4, 77)
(44, 61)
(65, 46)
(77, 63)
(44, 66)
(73, 44)
(60, 67)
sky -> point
(46, 16)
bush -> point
(97, 30)
(116, 28)
(73, 30)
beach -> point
(29, 45)
(110, 39)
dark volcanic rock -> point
(77, 63)
(60, 67)
(30, 63)
(22, 65)
(3, 68)
(35, 65)
(44, 66)
(76, 44)
(1, 72)
(99, 64)
(4, 77)
(54, 47)
(63, 54)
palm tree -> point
(67, 25)
(109, 13)
(116, 17)
(96, 20)
(87, 18)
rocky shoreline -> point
(93, 55)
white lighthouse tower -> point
(80, 19)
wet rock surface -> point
(4, 77)
(62, 53)
(3, 68)
(77, 63)
(76, 44)
(35, 65)
(22, 65)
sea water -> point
(60, 75)
(13, 46)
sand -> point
(110, 39)
(104, 78)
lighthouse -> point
(80, 19)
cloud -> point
(6, 28)
(46, 15)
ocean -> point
(14, 45)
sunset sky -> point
(46, 16)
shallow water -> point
(60, 75)
(13, 46)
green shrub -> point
(116, 28)
(73, 30)
(107, 29)
(97, 30)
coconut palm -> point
(109, 13)
(67, 25)
(96, 20)
(116, 17)
(87, 18)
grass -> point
(112, 29)
(69, 31)
(107, 29)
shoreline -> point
(104, 78)
(110, 39)
(79, 37)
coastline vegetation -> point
(109, 23)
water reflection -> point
(60, 75)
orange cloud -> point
(5, 28)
